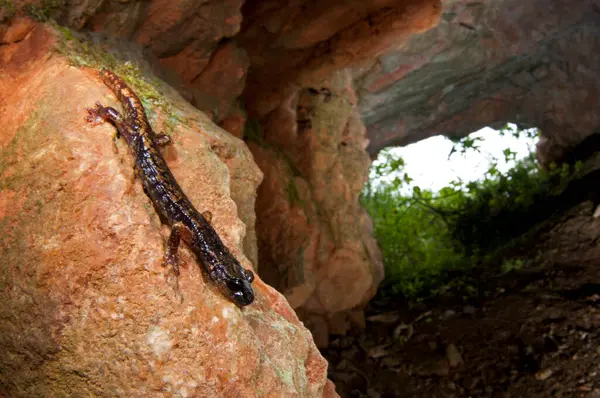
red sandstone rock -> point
(222, 81)
(291, 46)
(234, 123)
(187, 38)
(86, 308)
(315, 242)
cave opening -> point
(487, 251)
(429, 200)
(437, 161)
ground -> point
(536, 334)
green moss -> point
(253, 132)
(7, 10)
(83, 53)
(293, 193)
(44, 11)
(295, 170)
(513, 264)
(173, 120)
(64, 31)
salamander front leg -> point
(100, 113)
(171, 258)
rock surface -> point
(535, 63)
(322, 254)
(188, 38)
(86, 307)
(263, 59)
(295, 45)
(486, 63)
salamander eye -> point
(235, 284)
(248, 275)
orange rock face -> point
(189, 39)
(87, 310)
(296, 45)
(314, 238)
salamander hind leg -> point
(207, 216)
(171, 258)
(162, 139)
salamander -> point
(173, 206)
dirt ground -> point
(537, 334)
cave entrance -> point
(490, 260)
(438, 206)
(437, 162)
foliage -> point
(253, 132)
(44, 11)
(503, 206)
(415, 241)
(7, 10)
(427, 237)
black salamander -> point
(169, 200)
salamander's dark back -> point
(168, 198)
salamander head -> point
(238, 288)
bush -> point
(428, 237)
(415, 241)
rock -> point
(235, 122)
(453, 356)
(338, 323)
(315, 241)
(297, 47)
(469, 310)
(543, 374)
(387, 317)
(391, 362)
(434, 367)
(275, 52)
(471, 382)
(221, 81)
(290, 45)
(403, 332)
(500, 72)
(378, 351)
(357, 318)
(86, 307)
(318, 326)
(594, 394)
(188, 39)
(371, 393)
(329, 390)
